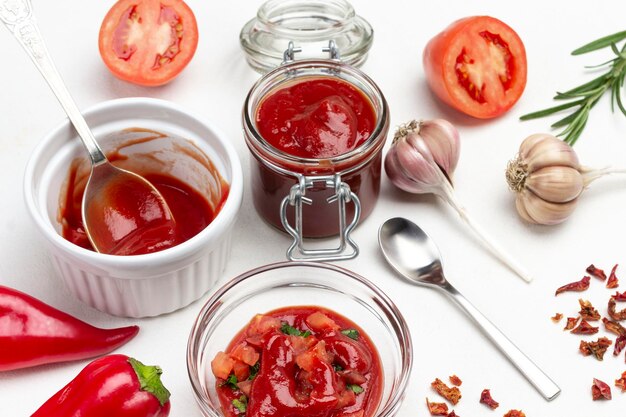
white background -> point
(445, 341)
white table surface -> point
(445, 341)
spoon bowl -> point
(108, 228)
(414, 255)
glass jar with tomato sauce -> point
(316, 129)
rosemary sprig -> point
(585, 96)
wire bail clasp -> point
(347, 248)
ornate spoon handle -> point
(17, 16)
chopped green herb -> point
(355, 388)
(337, 368)
(231, 381)
(351, 333)
(292, 331)
(241, 404)
(254, 370)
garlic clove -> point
(527, 146)
(556, 184)
(442, 140)
(544, 212)
(409, 169)
(521, 209)
(551, 151)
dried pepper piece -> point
(620, 344)
(437, 409)
(621, 383)
(455, 380)
(596, 272)
(581, 285)
(557, 317)
(451, 394)
(571, 323)
(620, 297)
(597, 348)
(453, 414)
(616, 315)
(614, 327)
(485, 398)
(613, 282)
(587, 311)
(585, 328)
(600, 390)
(515, 413)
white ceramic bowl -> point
(141, 285)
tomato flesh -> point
(477, 65)
(148, 42)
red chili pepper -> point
(487, 399)
(600, 390)
(613, 282)
(34, 333)
(596, 272)
(581, 285)
(620, 297)
(111, 386)
(584, 328)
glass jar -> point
(309, 197)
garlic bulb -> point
(548, 179)
(422, 159)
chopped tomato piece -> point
(222, 365)
(245, 387)
(321, 322)
(246, 354)
(241, 370)
(262, 324)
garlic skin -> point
(548, 179)
(420, 153)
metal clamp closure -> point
(347, 248)
(289, 54)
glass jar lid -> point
(310, 25)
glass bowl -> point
(291, 284)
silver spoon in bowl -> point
(411, 252)
(106, 223)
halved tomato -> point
(477, 65)
(148, 42)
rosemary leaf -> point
(584, 97)
(551, 110)
(600, 43)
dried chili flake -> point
(597, 348)
(451, 394)
(621, 383)
(455, 380)
(581, 285)
(557, 317)
(614, 327)
(453, 414)
(587, 311)
(620, 297)
(596, 272)
(585, 328)
(613, 282)
(437, 409)
(620, 344)
(600, 390)
(515, 413)
(616, 315)
(485, 398)
(571, 323)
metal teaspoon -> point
(411, 252)
(106, 182)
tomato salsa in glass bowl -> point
(298, 338)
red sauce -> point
(325, 367)
(191, 211)
(316, 118)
